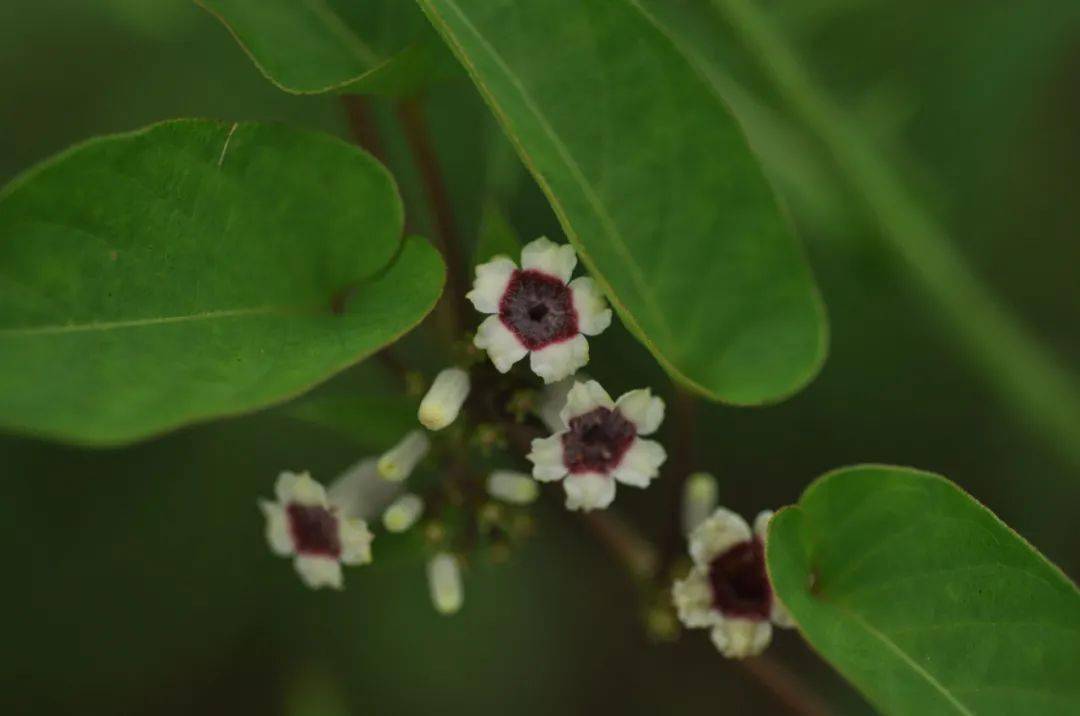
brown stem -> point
(362, 125)
(684, 414)
(410, 113)
(787, 686)
(633, 551)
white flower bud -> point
(517, 488)
(698, 500)
(444, 399)
(398, 462)
(444, 579)
(403, 513)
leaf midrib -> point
(59, 329)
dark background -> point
(137, 580)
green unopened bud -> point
(398, 462)
(403, 513)
(699, 500)
(444, 580)
(444, 399)
(517, 488)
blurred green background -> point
(138, 579)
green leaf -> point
(366, 405)
(196, 269)
(317, 46)
(654, 183)
(496, 235)
(924, 599)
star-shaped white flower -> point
(320, 534)
(538, 310)
(601, 444)
(728, 589)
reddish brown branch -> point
(410, 113)
(787, 686)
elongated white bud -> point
(398, 462)
(699, 500)
(517, 488)
(403, 513)
(444, 399)
(444, 579)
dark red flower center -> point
(539, 309)
(314, 530)
(740, 585)
(597, 441)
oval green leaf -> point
(655, 185)
(317, 46)
(196, 269)
(924, 599)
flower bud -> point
(444, 579)
(444, 399)
(514, 487)
(698, 500)
(403, 513)
(398, 462)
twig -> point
(787, 686)
(362, 125)
(410, 113)
(684, 413)
(633, 551)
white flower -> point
(601, 444)
(403, 513)
(514, 487)
(698, 500)
(444, 580)
(320, 534)
(537, 309)
(444, 399)
(398, 462)
(728, 589)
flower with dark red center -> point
(320, 533)
(538, 310)
(728, 588)
(600, 444)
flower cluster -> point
(594, 442)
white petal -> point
(545, 255)
(552, 401)
(501, 345)
(593, 313)
(721, 531)
(643, 409)
(761, 524)
(641, 463)
(355, 541)
(516, 488)
(589, 491)
(490, 284)
(739, 638)
(444, 399)
(319, 572)
(547, 458)
(398, 462)
(444, 581)
(300, 488)
(584, 398)
(277, 528)
(698, 500)
(560, 360)
(283, 488)
(693, 600)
